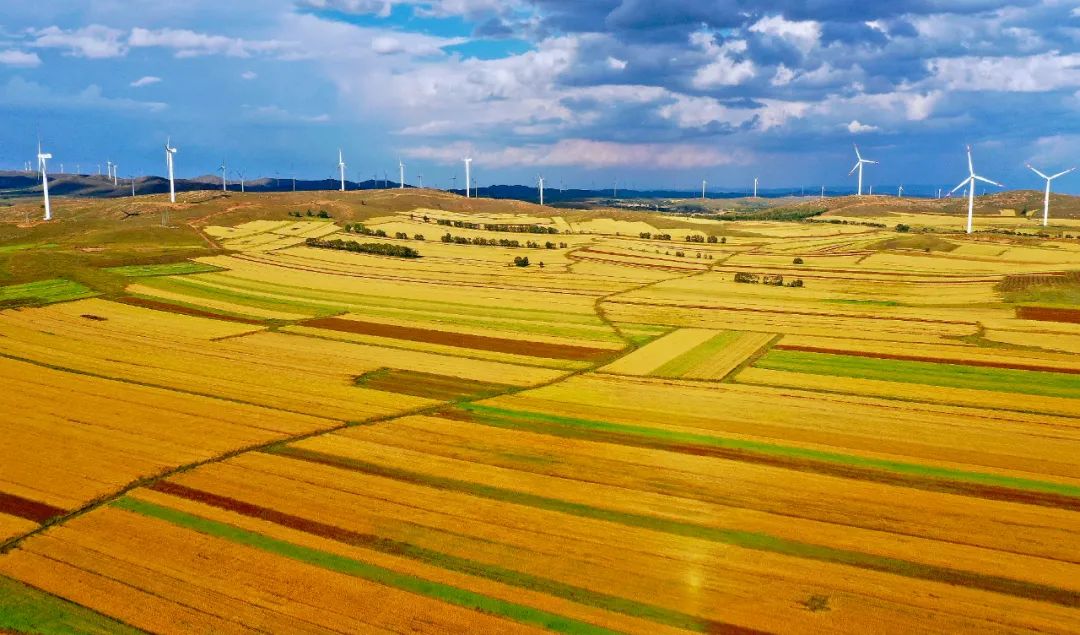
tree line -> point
(379, 249)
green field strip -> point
(44, 292)
(197, 291)
(1045, 384)
(675, 440)
(8, 249)
(696, 356)
(430, 385)
(359, 569)
(24, 609)
(169, 269)
(440, 306)
(206, 288)
(450, 562)
(744, 539)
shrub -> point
(797, 282)
(680, 254)
(323, 214)
(797, 261)
(713, 239)
(723, 240)
(645, 235)
(418, 237)
(521, 261)
(401, 236)
(902, 228)
(746, 278)
(773, 279)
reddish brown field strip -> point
(29, 509)
(934, 360)
(1046, 314)
(185, 310)
(991, 492)
(429, 385)
(462, 340)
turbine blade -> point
(1061, 173)
(869, 161)
(962, 184)
(986, 180)
(1037, 172)
(971, 166)
(855, 168)
(857, 155)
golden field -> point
(238, 429)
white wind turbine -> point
(169, 152)
(42, 158)
(755, 187)
(108, 169)
(341, 168)
(401, 174)
(540, 180)
(1046, 195)
(115, 171)
(224, 186)
(468, 163)
(970, 181)
(703, 183)
(900, 192)
(859, 166)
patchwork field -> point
(804, 427)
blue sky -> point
(652, 93)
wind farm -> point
(629, 346)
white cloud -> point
(145, 81)
(248, 75)
(585, 153)
(94, 41)
(276, 114)
(22, 59)
(803, 35)
(783, 76)
(1035, 73)
(695, 112)
(20, 92)
(191, 44)
(615, 63)
(725, 69)
(433, 8)
(857, 127)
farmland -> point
(216, 426)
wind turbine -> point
(859, 166)
(401, 174)
(541, 181)
(900, 192)
(224, 186)
(108, 170)
(755, 187)
(241, 176)
(703, 183)
(420, 178)
(115, 170)
(169, 152)
(341, 168)
(468, 163)
(42, 158)
(1046, 196)
(970, 180)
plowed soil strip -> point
(158, 305)
(463, 340)
(453, 563)
(923, 358)
(1047, 314)
(429, 385)
(924, 477)
(744, 539)
(374, 573)
(29, 509)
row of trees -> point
(499, 242)
(379, 249)
(772, 279)
(498, 227)
(322, 213)
(695, 238)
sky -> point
(649, 93)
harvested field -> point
(268, 437)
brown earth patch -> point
(158, 305)
(461, 340)
(934, 360)
(429, 385)
(29, 509)
(1047, 314)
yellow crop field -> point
(266, 433)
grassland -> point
(218, 428)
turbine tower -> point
(401, 174)
(900, 192)
(224, 187)
(540, 179)
(169, 152)
(755, 187)
(115, 171)
(970, 180)
(703, 183)
(42, 157)
(341, 168)
(859, 162)
(1046, 196)
(468, 162)
(108, 169)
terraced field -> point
(278, 437)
